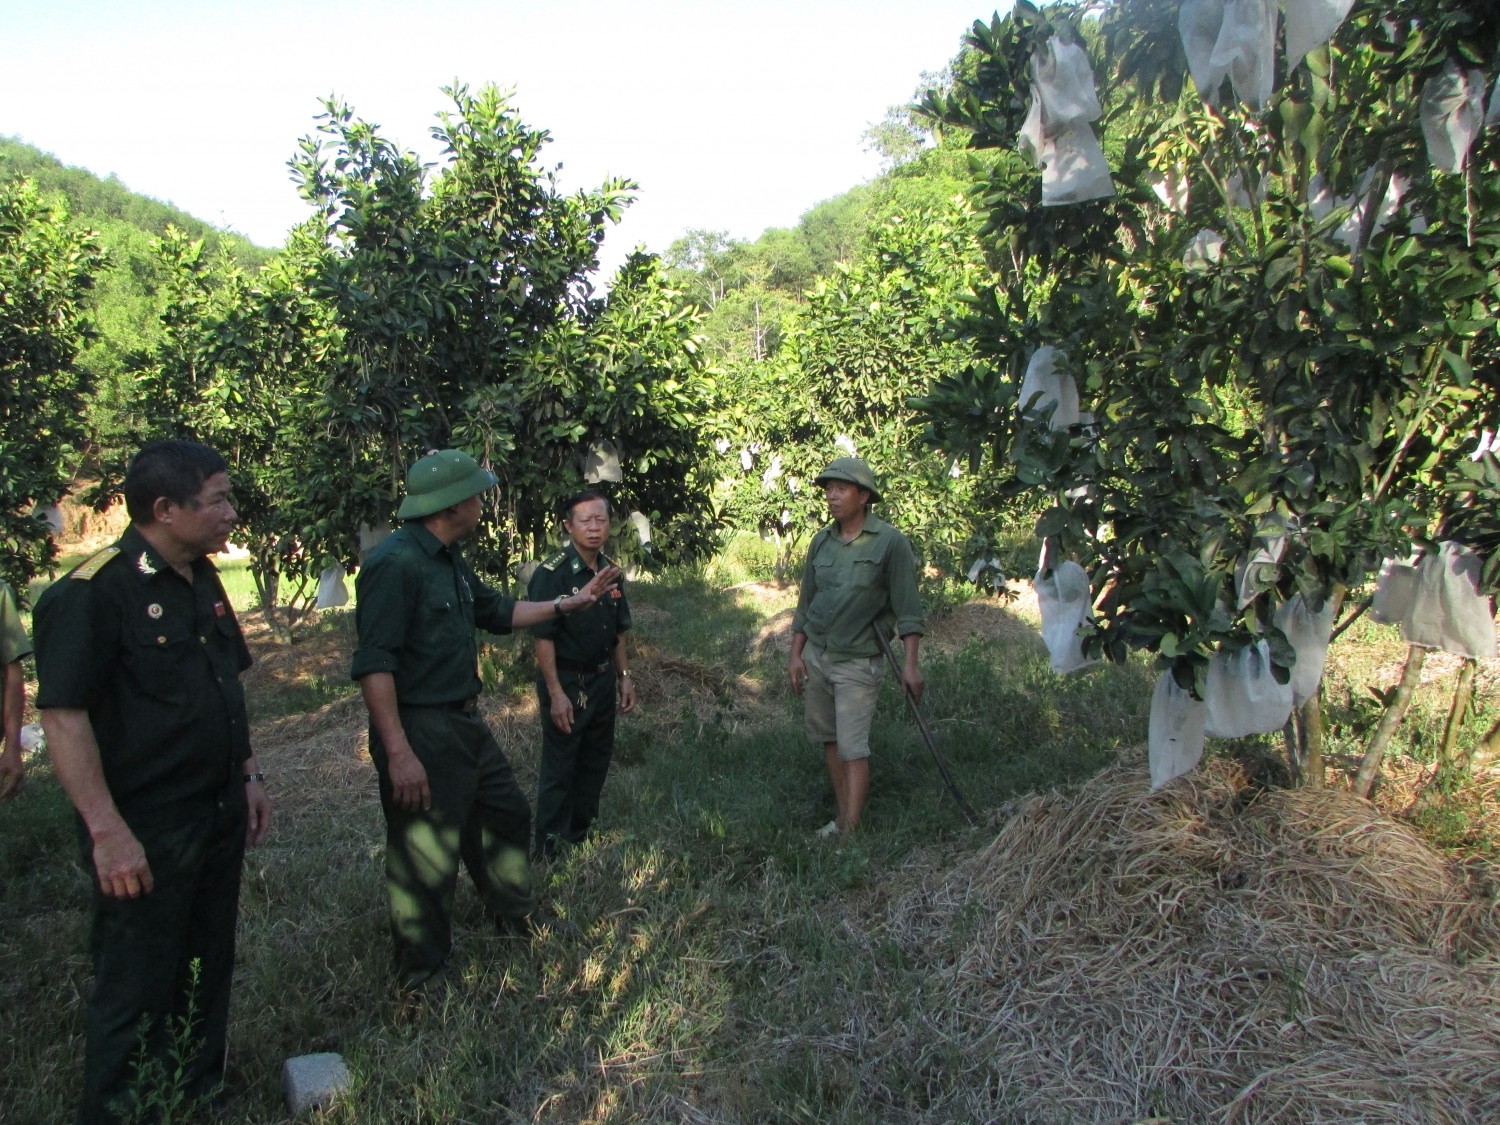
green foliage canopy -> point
(46, 270)
(1305, 386)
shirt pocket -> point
(864, 574)
(440, 604)
(162, 654)
(825, 575)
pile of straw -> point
(1212, 953)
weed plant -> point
(159, 1092)
(707, 958)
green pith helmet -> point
(441, 480)
(853, 470)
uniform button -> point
(161, 640)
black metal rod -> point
(927, 735)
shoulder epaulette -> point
(551, 563)
(92, 566)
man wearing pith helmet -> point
(447, 791)
(860, 576)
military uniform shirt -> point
(845, 586)
(155, 661)
(417, 607)
(14, 643)
(587, 637)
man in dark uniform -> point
(446, 788)
(580, 661)
(138, 660)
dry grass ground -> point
(1212, 953)
(1216, 952)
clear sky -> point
(732, 116)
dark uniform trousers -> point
(170, 954)
(574, 765)
(478, 814)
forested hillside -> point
(124, 303)
(100, 202)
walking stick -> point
(937, 755)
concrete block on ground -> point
(313, 1081)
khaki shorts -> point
(840, 700)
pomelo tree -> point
(1280, 320)
(417, 310)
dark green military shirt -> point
(848, 586)
(417, 607)
(587, 637)
(155, 661)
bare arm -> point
(407, 774)
(623, 677)
(911, 675)
(259, 803)
(560, 706)
(796, 667)
(119, 859)
(12, 703)
(530, 613)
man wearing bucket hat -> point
(860, 576)
(447, 791)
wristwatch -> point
(557, 608)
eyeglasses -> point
(226, 501)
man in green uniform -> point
(860, 576)
(447, 791)
(138, 661)
(580, 662)
(14, 644)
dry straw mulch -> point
(1212, 953)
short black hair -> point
(583, 498)
(175, 470)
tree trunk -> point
(1309, 720)
(1453, 765)
(1304, 729)
(1489, 746)
(1395, 711)
(1304, 743)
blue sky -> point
(731, 116)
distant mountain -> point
(125, 302)
(97, 203)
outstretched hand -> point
(597, 587)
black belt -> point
(467, 706)
(585, 669)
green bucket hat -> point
(441, 480)
(853, 470)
